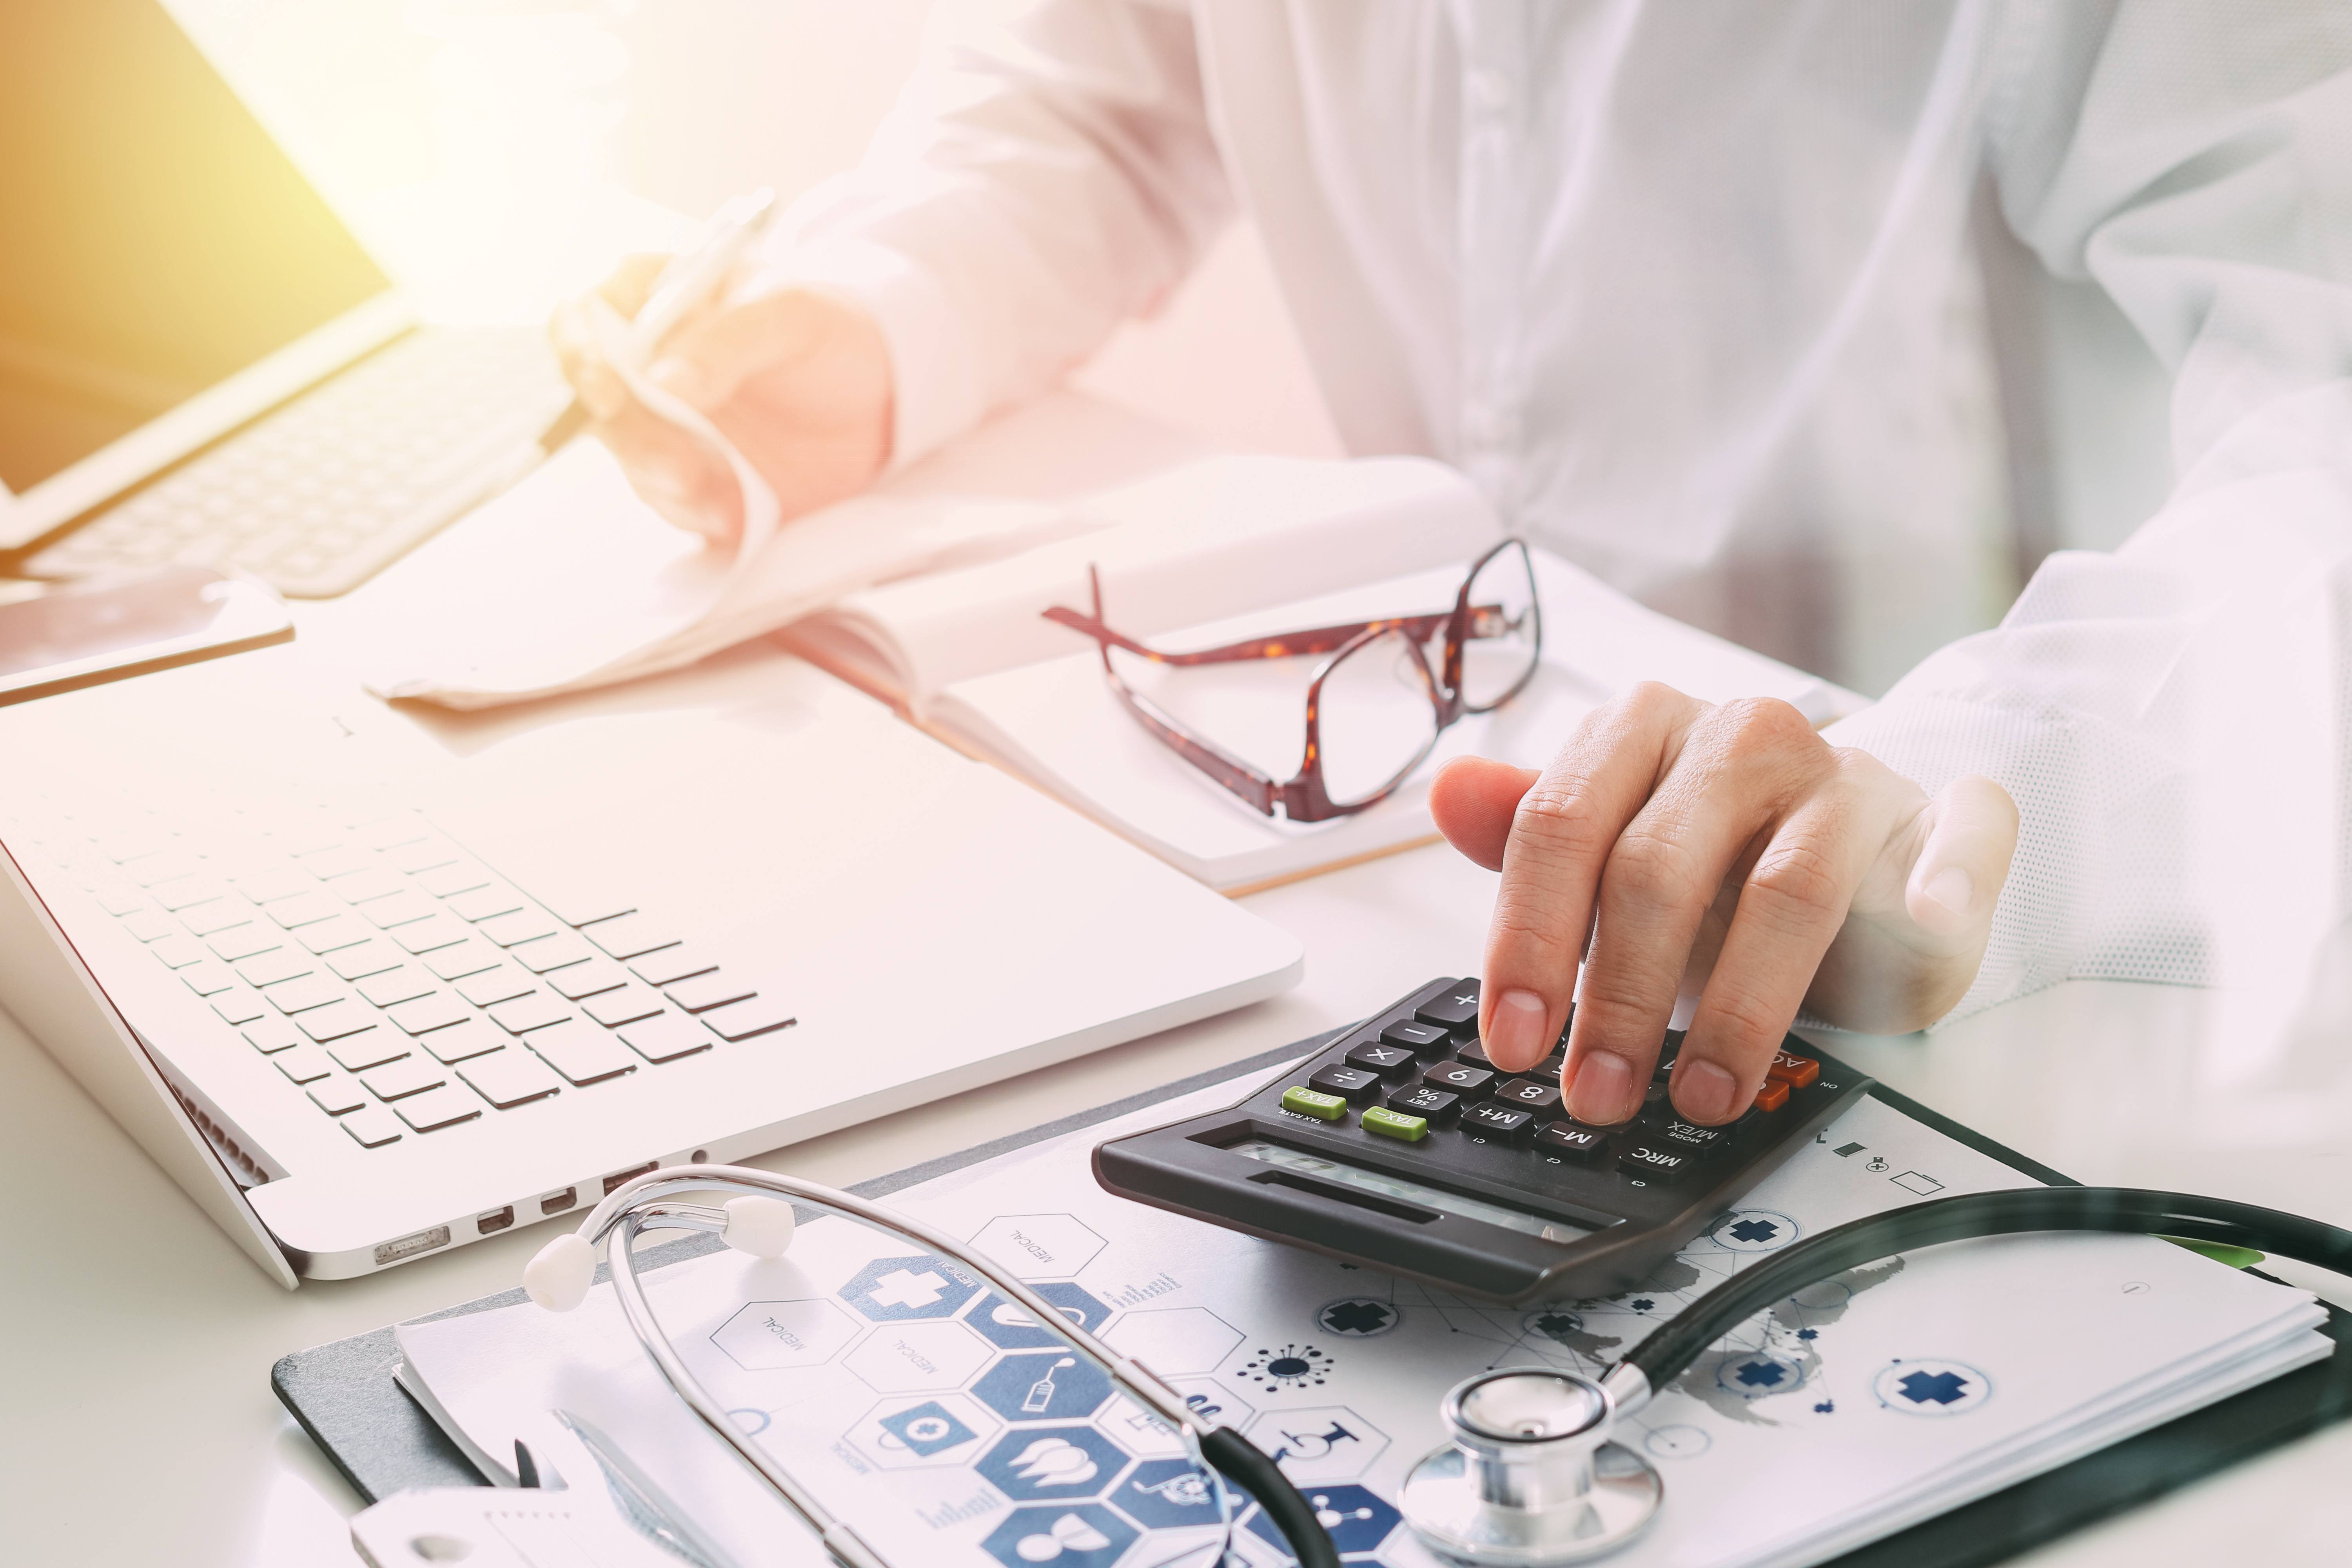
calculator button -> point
(1389, 1061)
(1310, 1102)
(1793, 1070)
(1454, 1008)
(1671, 1050)
(1573, 1140)
(1353, 1085)
(1395, 1124)
(1457, 1077)
(1500, 1125)
(1422, 1039)
(1528, 1094)
(1688, 1138)
(1772, 1096)
(1650, 1163)
(1434, 1106)
(1474, 1051)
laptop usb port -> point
(497, 1219)
(556, 1202)
(618, 1177)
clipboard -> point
(344, 1395)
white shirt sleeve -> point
(1042, 179)
(2172, 718)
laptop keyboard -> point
(400, 985)
(320, 495)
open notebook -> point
(932, 597)
(1230, 548)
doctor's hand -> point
(1674, 845)
(799, 382)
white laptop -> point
(370, 989)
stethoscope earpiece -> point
(1530, 1479)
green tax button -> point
(1390, 1123)
(1308, 1102)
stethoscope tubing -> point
(634, 1208)
(2132, 1211)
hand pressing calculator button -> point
(1425, 1164)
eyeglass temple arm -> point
(1486, 621)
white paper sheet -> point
(895, 1385)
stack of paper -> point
(950, 1430)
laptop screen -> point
(157, 241)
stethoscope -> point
(1528, 1477)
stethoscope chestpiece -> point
(1530, 1479)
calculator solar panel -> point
(1399, 1146)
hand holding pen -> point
(799, 382)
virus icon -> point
(1290, 1366)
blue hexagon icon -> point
(1039, 1386)
(1169, 1494)
(1012, 1327)
(1085, 1536)
(1052, 1462)
(1357, 1519)
(892, 1290)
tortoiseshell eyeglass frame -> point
(1305, 799)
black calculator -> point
(1399, 1146)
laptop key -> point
(582, 1054)
(590, 979)
(366, 886)
(463, 876)
(395, 986)
(522, 925)
(182, 892)
(435, 932)
(208, 978)
(372, 1127)
(624, 1006)
(368, 1048)
(426, 1013)
(422, 853)
(482, 903)
(336, 1096)
(525, 1014)
(278, 882)
(216, 915)
(373, 956)
(331, 936)
(303, 1064)
(493, 986)
(587, 909)
(438, 1107)
(150, 925)
(401, 907)
(275, 966)
(462, 1041)
(457, 962)
(334, 1021)
(551, 953)
(671, 964)
(509, 1079)
(742, 1020)
(249, 941)
(239, 1006)
(304, 993)
(270, 1035)
(340, 861)
(409, 1075)
(303, 910)
(176, 951)
(704, 991)
(665, 1037)
(629, 936)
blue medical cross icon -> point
(1941, 1388)
(1754, 1230)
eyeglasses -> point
(1375, 708)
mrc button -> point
(1654, 1162)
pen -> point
(685, 281)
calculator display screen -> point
(1409, 1190)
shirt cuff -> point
(935, 389)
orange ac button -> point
(1793, 1070)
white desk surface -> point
(137, 1425)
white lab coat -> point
(1685, 288)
